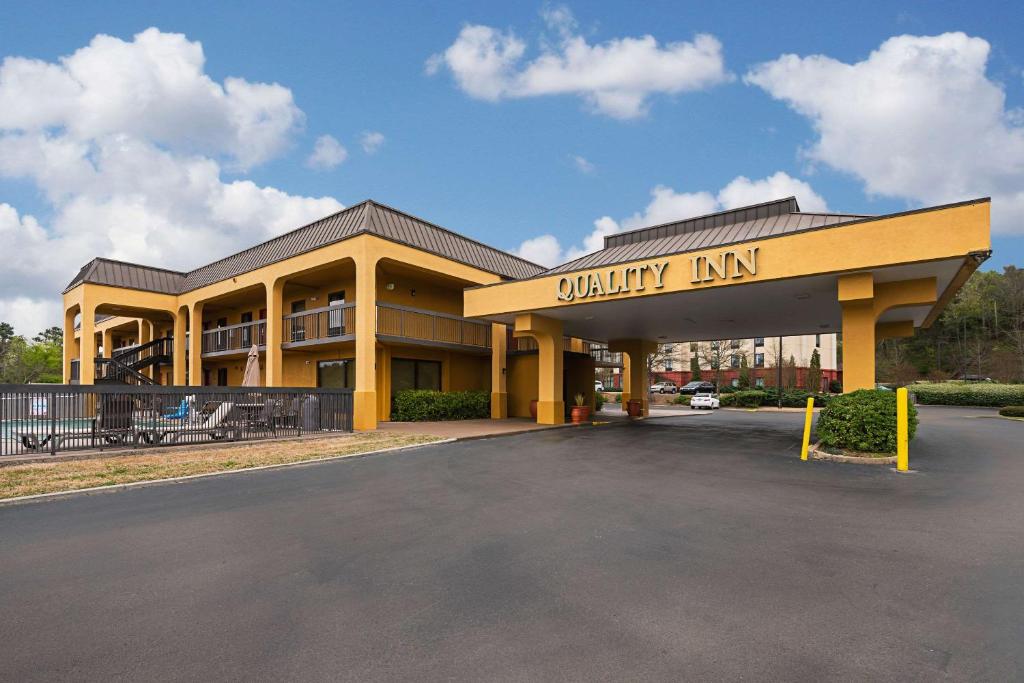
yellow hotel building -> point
(377, 300)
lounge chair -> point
(179, 413)
(213, 424)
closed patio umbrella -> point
(251, 378)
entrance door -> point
(247, 330)
(336, 318)
(299, 321)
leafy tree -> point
(51, 335)
(22, 361)
(744, 375)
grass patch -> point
(51, 477)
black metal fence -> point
(37, 419)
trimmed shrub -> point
(1012, 411)
(964, 394)
(613, 390)
(794, 398)
(598, 400)
(864, 420)
(420, 405)
(682, 399)
(748, 399)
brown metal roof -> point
(727, 227)
(366, 217)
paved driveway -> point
(682, 548)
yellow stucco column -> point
(624, 378)
(548, 333)
(179, 364)
(195, 346)
(70, 348)
(146, 336)
(863, 301)
(383, 382)
(365, 395)
(108, 343)
(634, 360)
(499, 386)
(87, 345)
(275, 333)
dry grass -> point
(50, 477)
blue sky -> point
(528, 164)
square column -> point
(87, 346)
(195, 346)
(69, 344)
(499, 389)
(634, 370)
(178, 363)
(275, 333)
(145, 337)
(365, 395)
(548, 333)
(108, 343)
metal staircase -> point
(125, 365)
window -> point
(222, 377)
(758, 360)
(299, 321)
(668, 366)
(759, 382)
(669, 348)
(758, 341)
(336, 318)
(735, 383)
(335, 374)
(734, 361)
(415, 374)
(222, 336)
(817, 340)
(693, 347)
(735, 344)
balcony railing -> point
(432, 327)
(328, 323)
(240, 337)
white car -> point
(703, 401)
(598, 385)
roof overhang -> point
(793, 289)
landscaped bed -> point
(51, 477)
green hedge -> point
(420, 405)
(964, 394)
(864, 420)
(1012, 411)
(755, 398)
(682, 399)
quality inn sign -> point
(727, 265)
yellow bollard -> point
(902, 432)
(807, 427)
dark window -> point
(735, 344)
(734, 361)
(336, 319)
(206, 377)
(758, 360)
(415, 374)
(335, 374)
(759, 382)
(693, 347)
(817, 340)
(299, 321)
(222, 336)
(222, 377)
(758, 341)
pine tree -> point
(744, 378)
(814, 372)
(694, 369)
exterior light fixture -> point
(389, 286)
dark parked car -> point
(698, 387)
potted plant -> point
(580, 411)
(635, 407)
(533, 409)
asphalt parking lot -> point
(691, 547)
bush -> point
(611, 390)
(748, 399)
(1012, 411)
(864, 420)
(598, 400)
(961, 394)
(419, 405)
(794, 398)
(682, 399)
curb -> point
(58, 495)
(818, 454)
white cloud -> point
(615, 78)
(327, 153)
(918, 119)
(371, 141)
(667, 205)
(126, 141)
(582, 164)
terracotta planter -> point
(580, 414)
(635, 407)
(533, 409)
